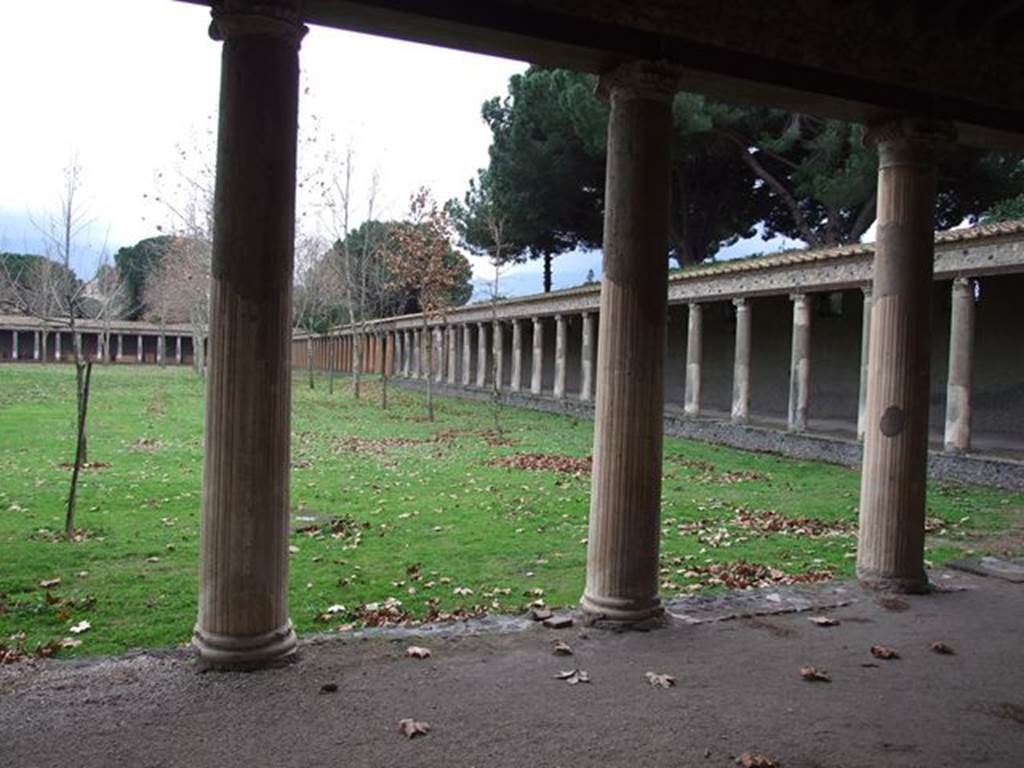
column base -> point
(903, 585)
(619, 613)
(245, 652)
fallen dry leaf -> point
(940, 647)
(80, 627)
(417, 652)
(561, 648)
(574, 676)
(756, 760)
(823, 621)
(412, 728)
(50, 583)
(884, 652)
(815, 675)
(329, 688)
(660, 680)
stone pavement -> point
(491, 698)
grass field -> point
(395, 518)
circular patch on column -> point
(892, 421)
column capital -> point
(963, 284)
(640, 80)
(866, 290)
(799, 298)
(233, 19)
(906, 140)
(739, 302)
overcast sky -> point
(121, 83)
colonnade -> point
(58, 345)
(243, 609)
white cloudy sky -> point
(120, 83)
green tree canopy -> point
(734, 170)
(137, 263)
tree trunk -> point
(80, 459)
(430, 371)
(357, 363)
(384, 375)
(80, 370)
(309, 361)
(547, 272)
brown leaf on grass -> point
(757, 760)
(768, 521)
(884, 652)
(940, 647)
(660, 680)
(50, 583)
(815, 675)
(543, 462)
(741, 575)
(823, 621)
(412, 728)
(561, 648)
(417, 652)
(573, 676)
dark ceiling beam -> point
(594, 39)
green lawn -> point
(396, 507)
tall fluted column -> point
(800, 364)
(961, 363)
(890, 553)
(622, 552)
(439, 361)
(481, 354)
(694, 357)
(537, 371)
(35, 345)
(14, 344)
(587, 358)
(243, 581)
(865, 344)
(453, 355)
(516, 382)
(417, 354)
(741, 364)
(498, 350)
(57, 351)
(138, 348)
(559, 384)
(467, 354)
(177, 348)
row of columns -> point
(489, 354)
(109, 347)
(243, 610)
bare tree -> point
(418, 259)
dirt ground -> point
(491, 698)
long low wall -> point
(544, 346)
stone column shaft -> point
(961, 364)
(439, 361)
(890, 553)
(694, 357)
(467, 355)
(800, 364)
(498, 351)
(57, 346)
(138, 348)
(587, 358)
(741, 364)
(453, 354)
(622, 550)
(516, 381)
(243, 582)
(35, 345)
(481, 355)
(865, 343)
(537, 370)
(558, 389)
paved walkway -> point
(491, 699)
